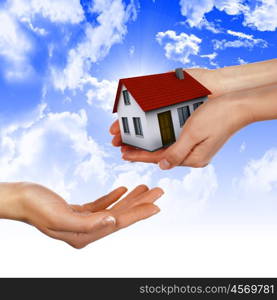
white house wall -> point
(155, 140)
(130, 111)
(151, 139)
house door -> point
(166, 128)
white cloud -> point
(62, 11)
(223, 44)
(260, 174)
(37, 30)
(101, 93)
(14, 47)
(231, 7)
(179, 47)
(112, 18)
(189, 195)
(195, 10)
(132, 175)
(262, 16)
(241, 61)
(211, 58)
(211, 26)
(242, 147)
(132, 51)
(240, 34)
(15, 44)
(244, 40)
(53, 149)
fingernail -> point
(156, 210)
(161, 193)
(125, 151)
(125, 156)
(109, 220)
(164, 164)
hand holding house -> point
(152, 109)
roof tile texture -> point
(160, 90)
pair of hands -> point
(203, 134)
(234, 103)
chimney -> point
(179, 73)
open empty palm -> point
(79, 225)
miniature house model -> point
(153, 109)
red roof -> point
(159, 90)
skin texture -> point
(77, 225)
(240, 95)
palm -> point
(79, 225)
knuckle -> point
(52, 222)
(77, 245)
(197, 160)
(143, 186)
(77, 207)
(87, 227)
(76, 242)
(198, 164)
(192, 133)
(174, 157)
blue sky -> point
(59, 66)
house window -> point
(126, 97)
(137, 126)
(183, 113)
(125, 125)
(197, 104)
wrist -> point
(247, 76)
(237, 107)
(11, 201)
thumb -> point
(177, 152)
(78, 222)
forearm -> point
(236, 78)
(261, 103)
(10, 195)
(248, 76)
(253, 105)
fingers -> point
(105, 201)
(143, 156)
(115, 129)
(133, 194)
(176, 154)
(125, 148)
(139, 195)
(131, 216)
(78, 222)
(117, 141)
(201, 155)
(136, 213)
